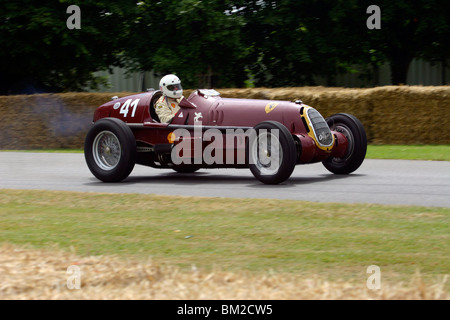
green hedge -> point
(391, 115)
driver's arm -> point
(163, 112)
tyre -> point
(110, 150)
(354, 156)
(271, 152)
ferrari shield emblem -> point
(271, 106)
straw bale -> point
(390, 114)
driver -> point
(168, 105)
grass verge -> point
(48, 150)
(400, 152)
(409, 152)
(334, 241)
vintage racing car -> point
(209, 131)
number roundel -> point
(124, 109)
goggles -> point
(174, 87)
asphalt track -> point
(402, 182)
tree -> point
(40, 53)
(410, 29)
(200, 41)
(294, 41)
(213, 43)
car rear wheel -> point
(110, 150)
(271, 152)
(354, 156)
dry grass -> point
(42, 274)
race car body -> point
(269, 137)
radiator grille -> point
(320, 127)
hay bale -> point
(411, 115)
(48, 121)
(390, 115)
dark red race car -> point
(269, 137)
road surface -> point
(402, 182)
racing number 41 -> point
(126, 106)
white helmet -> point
(170, 85)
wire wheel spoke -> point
(267, 153)
(106, 150)
(351, 144)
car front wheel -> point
(355, 134)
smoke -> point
(60, 119)
(44, 121)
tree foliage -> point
(39, 52)
(293, 41)
(296, 40)
(198, 40)
(409, 29)
(215, 43)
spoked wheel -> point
(272, 152)
(110, 150)
(354, 156)
(106, 150)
